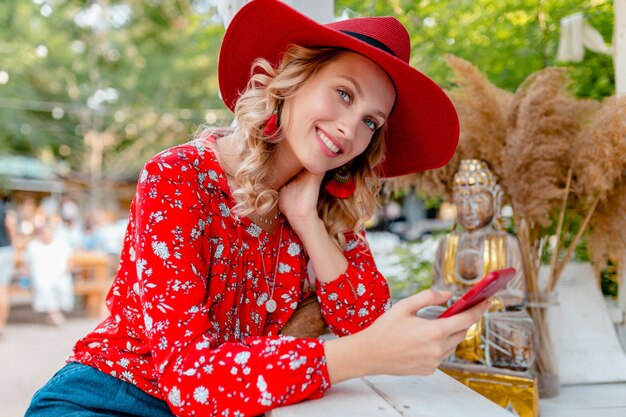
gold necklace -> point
(270, 304)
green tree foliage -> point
(138, 74)
(508, 40)
(121, 79)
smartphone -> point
(484, 289)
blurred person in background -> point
(7, 258)
(71, 224)
(47, 258)
(90, 240)
(109, 232)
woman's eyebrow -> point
(357, 86)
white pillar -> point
(319, 10)
(619, 60)
(226, 9)
(619, 46)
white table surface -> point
(590, 400)
(437, 395)
(584, 336)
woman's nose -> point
(347, 126)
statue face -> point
(474, 207)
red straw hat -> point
(423, 129)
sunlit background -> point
(91, 89)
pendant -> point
(270, 305)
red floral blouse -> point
(187, 319)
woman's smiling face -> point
(331, 119)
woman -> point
(47, 258)
(7, 258)
(222, 229)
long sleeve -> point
(359, 296)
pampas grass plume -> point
(543, 120)
(482, 109)
(606, 238)
(599, 153)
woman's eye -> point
(370, 124)
(344, 96)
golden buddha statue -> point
(478, 245)
(496, 356)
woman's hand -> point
(399, 342)
(298, 200)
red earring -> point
(271, 126)
(342, 185)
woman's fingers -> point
(413, 304)
(465, 319)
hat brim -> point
(423, 129)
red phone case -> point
(485, 288)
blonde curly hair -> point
(265, 93)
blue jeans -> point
(79, 390)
